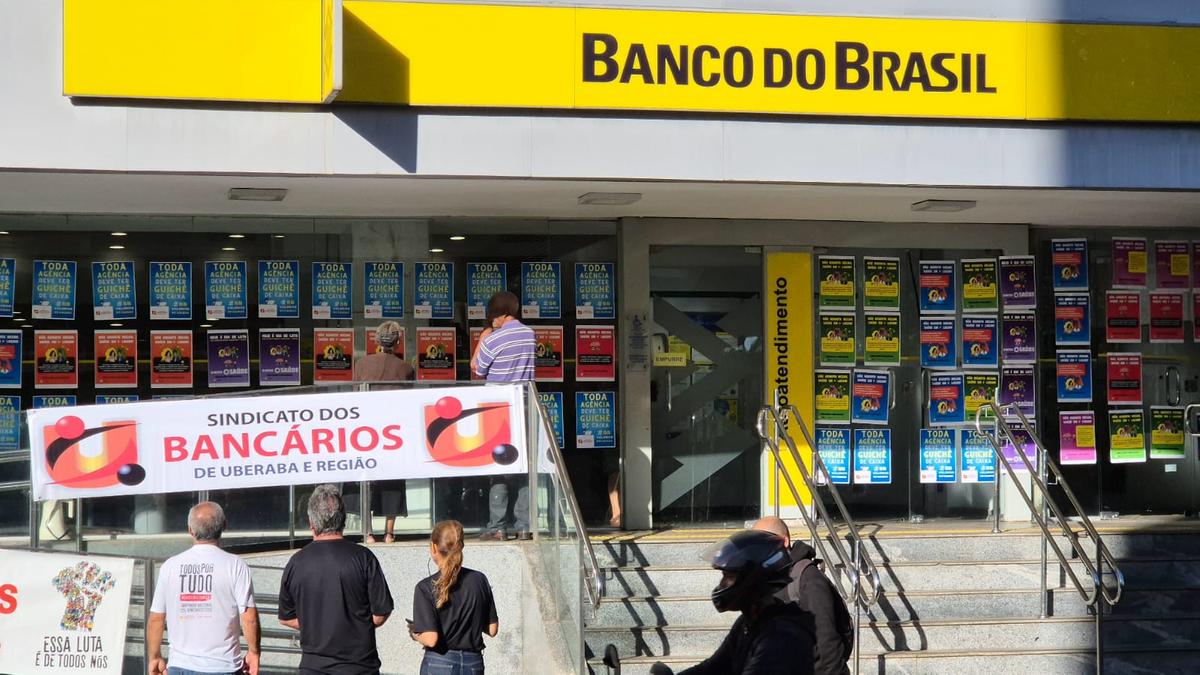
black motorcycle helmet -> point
(753, 564)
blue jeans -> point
(172, 670)
(453, 662)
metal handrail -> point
(853, 568)
(1039, 475)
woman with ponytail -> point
(452, 609)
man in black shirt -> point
(333, 592)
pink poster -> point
(1172, 264)
(1128, 262)
(1077, 437)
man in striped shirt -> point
(506, 353)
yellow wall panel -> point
(788, 350)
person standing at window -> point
(452, 609)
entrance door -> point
(706, 383)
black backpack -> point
(841, 614)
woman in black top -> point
(452, 609)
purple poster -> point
(279, 357)
(1025, 441)
(1077, 437)
(1018, 337)
(1129, 262)
(229, 358)
(1172, 264)
(1017, 388)
(1018, 282)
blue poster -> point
(1069, 260)
(225, 289)
(10, 422)
(870, 395)
(279, 289)
(171, 290)
(384, 296)
(54, 289)
(936, 287)
(332, 290)
(833, 445)
(483, 281)
(541, 290)
(595, 291)
(938, 461)
(11, 354)
(8, 286)
(434, 298)
(939, 346)
(872, 456)
(54, 401)
(978, 457)
(104, 399)
(1072, 319)
(1073, 371)
(552, 401)
(980, 346)
(114, 294)
(947, 399)
(595, 419)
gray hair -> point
(387, 334)
(326, 510)
(206, 520)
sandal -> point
(370, 539)
(389, 538)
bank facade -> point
(733, 203)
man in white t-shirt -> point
(201, 596)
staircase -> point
(967, 601)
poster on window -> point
(114, 291)
(228, 358)
(936, 287)
(541, 290)
(978, 457)
(881, 284)
(332, 291)
(595, 353)
(8, 286)
(832, 396)
(882, 344)
(54, 401)
(1076, 437)
(1166, 316)
(595, 291)
(1126, 436)
(278, 289)
(1072, 319)
(279, 357)
(225, 290)
(870, 396)
(939, 461)
(10, 422)
(57, 359)
(1129, 262)
(1024, 447)
(1166, 432)
(434, 297)
(939, 346)
(53, 290)
(980, 346)
(1195, 313)
(980, 388)
(1124, 379)
(435, 354)
(170, 359)
(106, 399)
(1018, 282)
(1172, 265)
(11, 355)
(383, 294)
(833, 446)
(1017, 389)
(1018, 337)
(552, 403)
(980, 285)
(475, 333)
(1069, 261)
(595, 419)
(947, 393)
(835, 274)
(1073, 373)
(548, 355)
(116, 359)
(1123, 317)
(374, 347)
(837, 339)
(872, 456)
(333, 355)
(170, 291)
(483, 281)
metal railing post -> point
(1099, 608)
(34, 520)
(147, 597)
(291, 517)
(531, 451)
(1045, 511)
(996, 507)
(858, 605)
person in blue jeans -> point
(452, 609)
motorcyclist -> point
(771, 637)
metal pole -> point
(364, 508)
(778, 477)
(34, 520)
(147, 596)
(1044, 508)
(531, 420)
(78, 525)
(996, 503)
(858, 603)
(1099, 609)
(291, 517)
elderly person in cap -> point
(389, 496)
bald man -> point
(814, 593)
